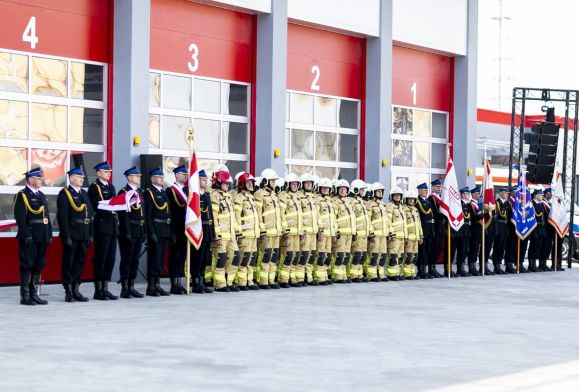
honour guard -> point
(74, 215)
(511, 247)
(292, 270)
(397, 233)
(268, 208)
(327, 231)
(414, 237)
(360, 243)
(106, 230)
(226, 230)
(551, 233)
(178, 194)
(346, 223)
(158, 223)
(201, 269)
(132, 236)
(309, 207)
(439, 243)
(248, 219)
(34, 235)
(425, 250)
(461, 238)
(538, 236)
(474, 247)
(378, 240)
(503, 215)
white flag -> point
(558, 215)
(450, 204)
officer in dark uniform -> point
(74, 215)
(34, 235)
(503, 216)
(511, 247)
(106, 230)
(460, 239)
(548, 247)
(201, 258)
(475, 231)
(539, 235)
(439, 243)
(178, 194)
(158, 217)
(424, 206)
(132, 236)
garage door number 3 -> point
(29, 34)
(193, 64)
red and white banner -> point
(489, 193)
(193, 224)
(558, 215)
(122, 202)
(449, 202)
(7, 224)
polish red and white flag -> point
(449, 200)
(489, 193)
(193, 224)
(122, 202)
(558, 217)
(7, 224)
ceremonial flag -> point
(122, 202)
(449, 202)
(489, 193)
(193, 224)
(523, 211)
(7, 224)
(558, 214)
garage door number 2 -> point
(316, 71)
(29, 34)
(193, 64)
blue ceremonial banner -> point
(523, 211)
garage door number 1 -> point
(29, 34)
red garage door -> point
(421, 97)
(201, 70)
(53, 102)
(323, 104)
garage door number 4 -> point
(29, 34)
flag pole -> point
(187, 272)
(518, 254)
(483, 192)
(554, 266)
(448, 252)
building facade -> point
(380, 90)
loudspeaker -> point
(149, 162)
(543, 140)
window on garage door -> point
(217, 109)
(52, 113)
(322, 135)
(419, 146)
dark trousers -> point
(523, 250)
(474, 246)
(459, 249)
(489, 239)
(73, 260)
(32, 257)
(439, 246)
(425, 251)
(511, 247)
(130, 257)
(155, 257)
(536, 247)
(499, 243)
(200, 259)
(104, 256)
(548, 247)
(177, 256)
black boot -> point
(497, 269)
(125, 292)
(25, 289)
(68, 297)
(197, 286)
(511, 269)
(106, 291)
(532, 265)
(208, 289)
(433, 271)
(133, 291)
(522, 269)
(488, 271)
(98, 292)
(472, 270)
(175, 289)
(151, 289)
(160, 289)
(77, 294)
(461, 271)
(34, 281)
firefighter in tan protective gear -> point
(360, 241)
(346, 223)
(395, 213)
(378, 241)
(327, 231)
(309, 206)
(248, 220)
(414, 235)
(226, 229)
(268, 208)
(291, 211)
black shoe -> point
(472, 270)
(151, 289)
(98, 292)
(35, 280)
(274, 286)
(384, 279)
(522, 269)
(125, 292)
(162, 292)
(498, 270)
(25, 289)
(77, 294)
(234, 289)
(284, 285)
(107, 292)
(254, 287)
(511, 269)
(313, 283)
(197, 289)
(393, 278)
(488, 271)
(330, 281)
(224, 289)
(208, 289)
(295, 284)
(176, 287)
(264, 287)
(434, 271)
(68, 296)
(342, 281)
(134, 293)
(375, 280)
(243, 288)
(324, 283)
(559, 268)
(356, 280)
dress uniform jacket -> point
(177, 207)
(502, 218)
(132, 235)
(105, 222)
(158, 223)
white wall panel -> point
(434, 24)
(263, 6)
(357, 16)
